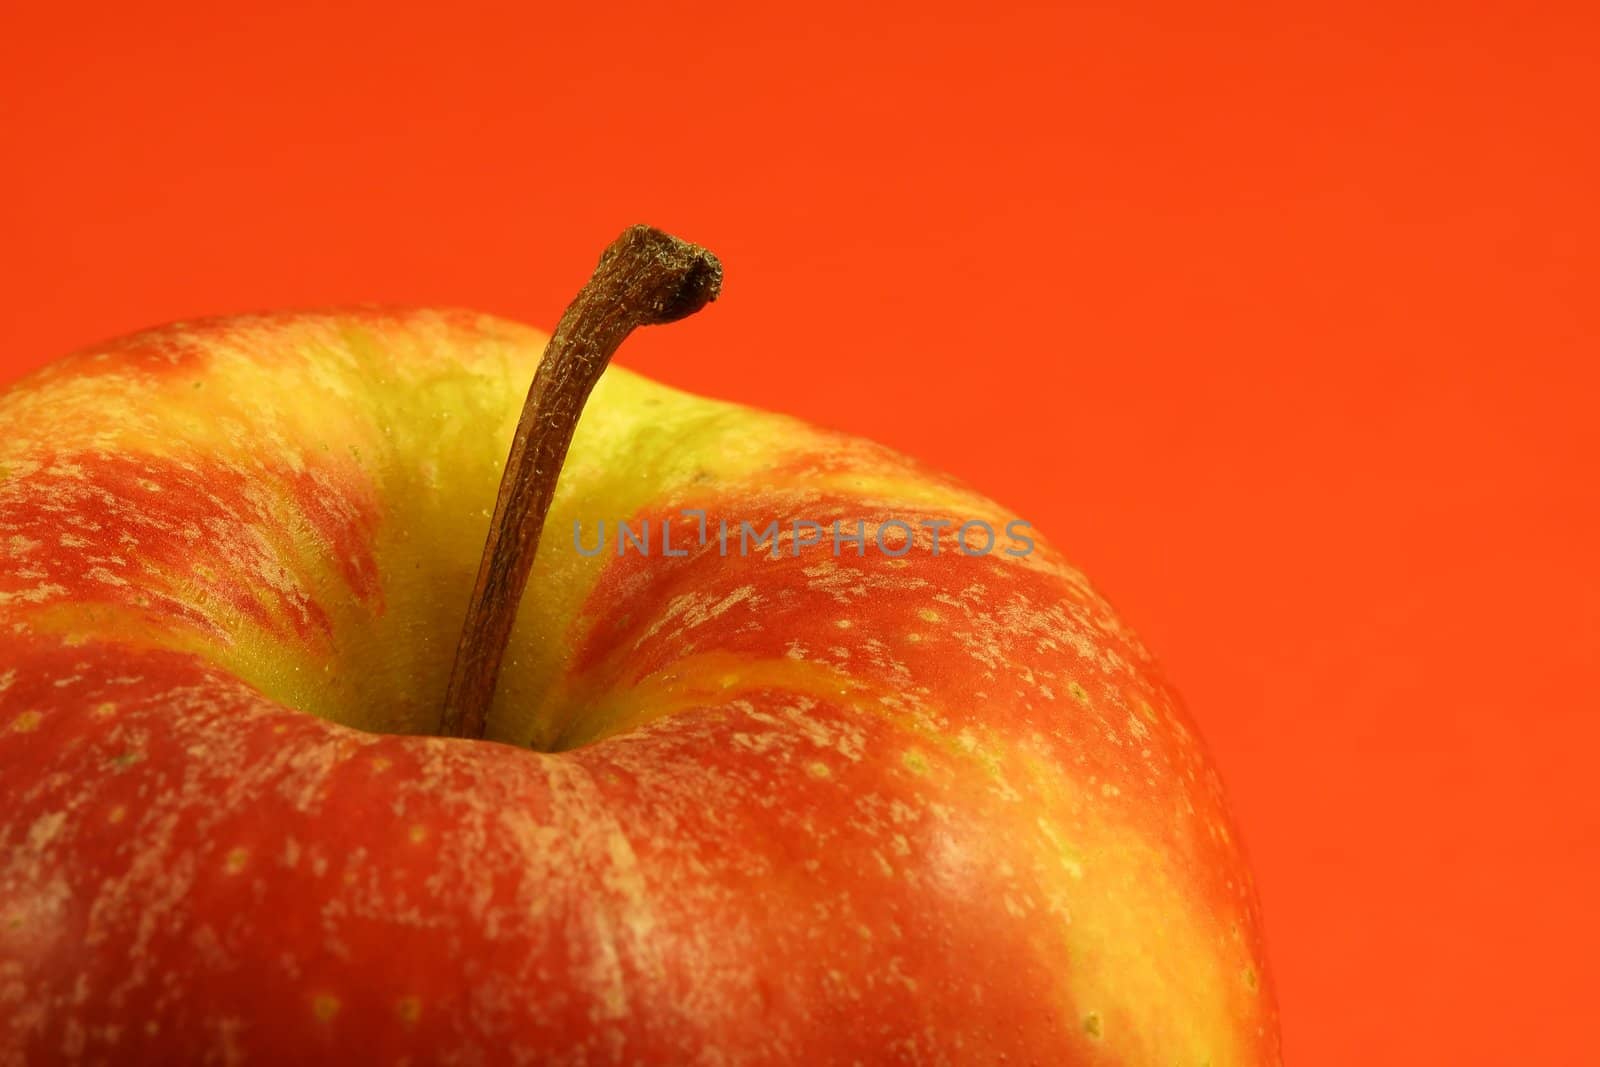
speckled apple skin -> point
(807, 809)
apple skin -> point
(811, 809)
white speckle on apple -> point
(694, 609)
(45, 828)
(105, 576)
(37, 595)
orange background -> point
(1283, 324)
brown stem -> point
(645, 277)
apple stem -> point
(644, 278)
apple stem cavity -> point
(644, 278)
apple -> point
(723, 806)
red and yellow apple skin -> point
(811, 809)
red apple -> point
(818, 808)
